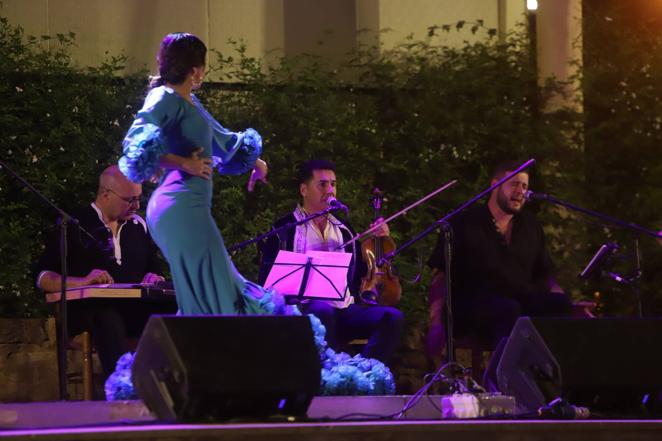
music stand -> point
(598, 260)
(320, 275)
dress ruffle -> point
(142, 150)
(263, 301)
(243, 159)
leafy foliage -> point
(623, 88)
(60, 126)
(406, 120)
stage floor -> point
(97, 420)
(598, 430)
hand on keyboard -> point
(151, 278)
(163, 284)
(98, 277)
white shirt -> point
(307, 237)
(116, 238)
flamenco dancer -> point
(173, 132)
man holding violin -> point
(357, 316)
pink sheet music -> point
(287, 273)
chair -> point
(477, 348)
(356, 345)
(436, 343)
(82, 344)
(436, 337)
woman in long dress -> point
(174, 133)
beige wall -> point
(135, 27)
(404, 17)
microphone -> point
(336, 204)
(531, 196)
(561, 409)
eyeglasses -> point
(131, 201)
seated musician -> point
(119, 250)
(500, 268)
(352, 318)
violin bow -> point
(399, 213)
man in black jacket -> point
(119, 249)
(500, 269)
(355, 316)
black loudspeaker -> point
(602, 364)
(210, 368)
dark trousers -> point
(381, 325)
(491, 318)
(111, 322)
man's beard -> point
(503, 203)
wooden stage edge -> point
(401, 430)
(98, 420)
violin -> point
(380, 279)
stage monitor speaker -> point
(211, 368)
(603, 364)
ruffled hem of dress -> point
(262, 301)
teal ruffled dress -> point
(179, 211)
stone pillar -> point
(559, 49)
(510, 13)
(367, 23)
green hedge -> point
(60, 126)
(406, 120)
(623, 113)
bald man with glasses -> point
(119, 251)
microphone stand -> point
(595, 214)
(443, 223)
(631, 281)
(287, 226)
(63, 223)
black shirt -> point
(138, 252)
(483, 264)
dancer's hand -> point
(259, 173)
(196, 165)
